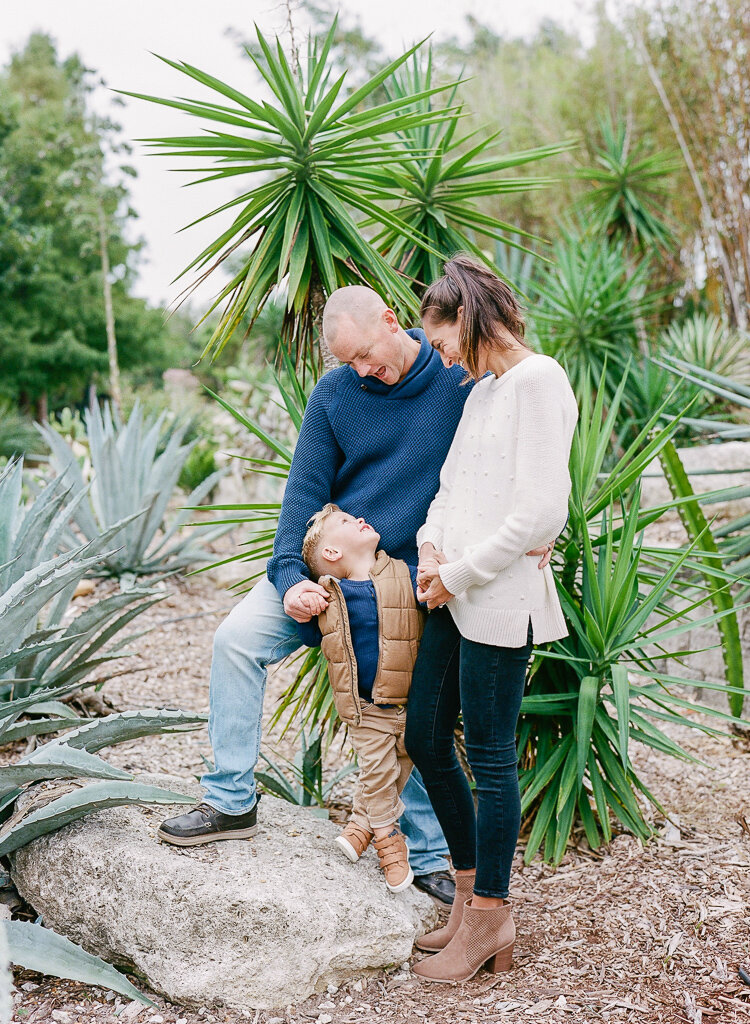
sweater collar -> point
(420, 376)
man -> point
(373, 440)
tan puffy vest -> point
(401, 624)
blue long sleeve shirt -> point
(374, 449)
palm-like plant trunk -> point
(317, 303)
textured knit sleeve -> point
(316, 459)
(546, 416)
(309, 632)
(432, 530)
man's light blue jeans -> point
(258, 633)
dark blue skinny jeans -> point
(486, 683)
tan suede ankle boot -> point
(485, 936)
(439, 939)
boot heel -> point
(502, 961)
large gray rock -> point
(252, 923)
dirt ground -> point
(652, 933)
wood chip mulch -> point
(631, 933)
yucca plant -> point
(594, 692)
(131, 478)
(629, 188)
(262, 517)
(592, 306)
(710, 344)
(311, 159)
(305, 788)
(40, 644)
(442, 176)
(66, 761)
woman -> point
(503, 491)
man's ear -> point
(332, 554)
(391, 320)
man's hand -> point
(435, 594)
(544, 553)
(304, 600)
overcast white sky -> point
(117, 38)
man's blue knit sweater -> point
(374, 449)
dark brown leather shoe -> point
(439, 884)
(204, 824)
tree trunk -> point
(42, 408)
(729, 281)
(317, 304)
(114, 369)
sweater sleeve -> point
(309, 632)
(432, 530)
(541, 487)
(316, 459)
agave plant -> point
(130, 478)
(68, 760)
(442, 176)
(40, 646)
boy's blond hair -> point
(312, 544)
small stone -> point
(405, 965)
(62, 1016)
(332, 990)
(109, 996)
(357, 986)
(29, 986)
(328, 1005)
(157, 1019)
(347, 999)
(275, 1020)
(181, 1020)
(324, 1018)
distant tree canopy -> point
(52, 156)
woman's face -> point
(444, 338)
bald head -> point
(352, 308)
(363, 332)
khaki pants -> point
(384, 766)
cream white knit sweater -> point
(504, 490)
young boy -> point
(369, 629)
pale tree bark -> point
(710, 220)
(114, 368)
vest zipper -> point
(348, 646)
(380, 646)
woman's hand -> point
(435, 595)
(429, 560)
(544, 553)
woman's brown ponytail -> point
(487, 304)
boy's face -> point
(345, 539)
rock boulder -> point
(255, 923)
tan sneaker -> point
(353, 841)
(394, 860)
